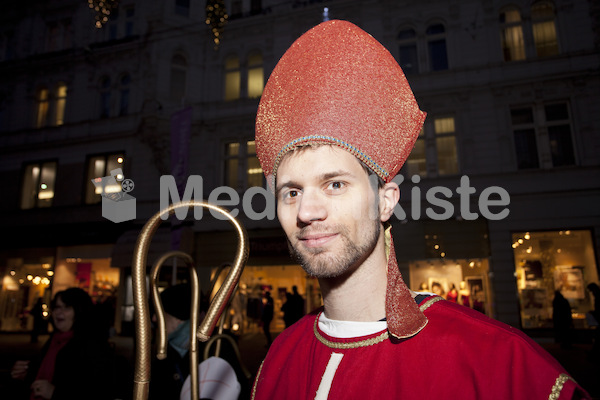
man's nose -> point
(312, 207)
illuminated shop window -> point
(178, 78)
(436, 46)
(232, 78)
(550, 261)
(256, 79)
(408, 55)
(513, 44)
(543, 132)
(242, 168)
(100, 166)
(462, 281)
(38, 185)
(544, 29)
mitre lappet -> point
(338, 85)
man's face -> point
(327, 209)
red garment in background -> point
(46, 370)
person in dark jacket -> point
(75, 362)
(169, 374)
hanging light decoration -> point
(103, 9)
(216, 17)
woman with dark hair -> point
(76, 362)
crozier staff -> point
(336, 121)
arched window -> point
(124, 87)
(178, 77)
(544, 29)
(256, 79)
(232, 78)
(104, 97)
(42, 104)
(436, 45)
(408, 55)
(60, 97)
(513, 45)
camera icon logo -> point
(117, 204)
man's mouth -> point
(316, 239)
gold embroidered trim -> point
(353, 345)
(256, 380)
(429, 302)
(558, 386)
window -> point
(407, 43)
(8, 45)
(105, 97)
(124, 86)
(42, 105)
(98, 167)
(255, 75)
(255, 7)
(236, 9)
(525, 141)
(543, 132)
(416, 164)
(435, 152)
(242, 168)
(60, 104)
(129, 15)
(232, 78)
(178, 77)
(544, 29)
(436, 45)
(445, 144)
(38, 185)
(121, 23)
(513, 44)
(182, 7)
(52, 37)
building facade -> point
(498, 198)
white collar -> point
(349, 329)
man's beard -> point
(346, 258)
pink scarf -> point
(46, 370)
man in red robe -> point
(336, 121)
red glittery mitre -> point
(336, 84)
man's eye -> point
(290, 194)
(336, 185)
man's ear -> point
(389, 195)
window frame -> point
(542, 126)
(243, 157)
(36, 186)
(428, 138)
(90, 197)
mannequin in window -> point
(452, 294)
(464, 295)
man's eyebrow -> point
(335, 174)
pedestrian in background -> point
(76, 362)
(267, 316)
